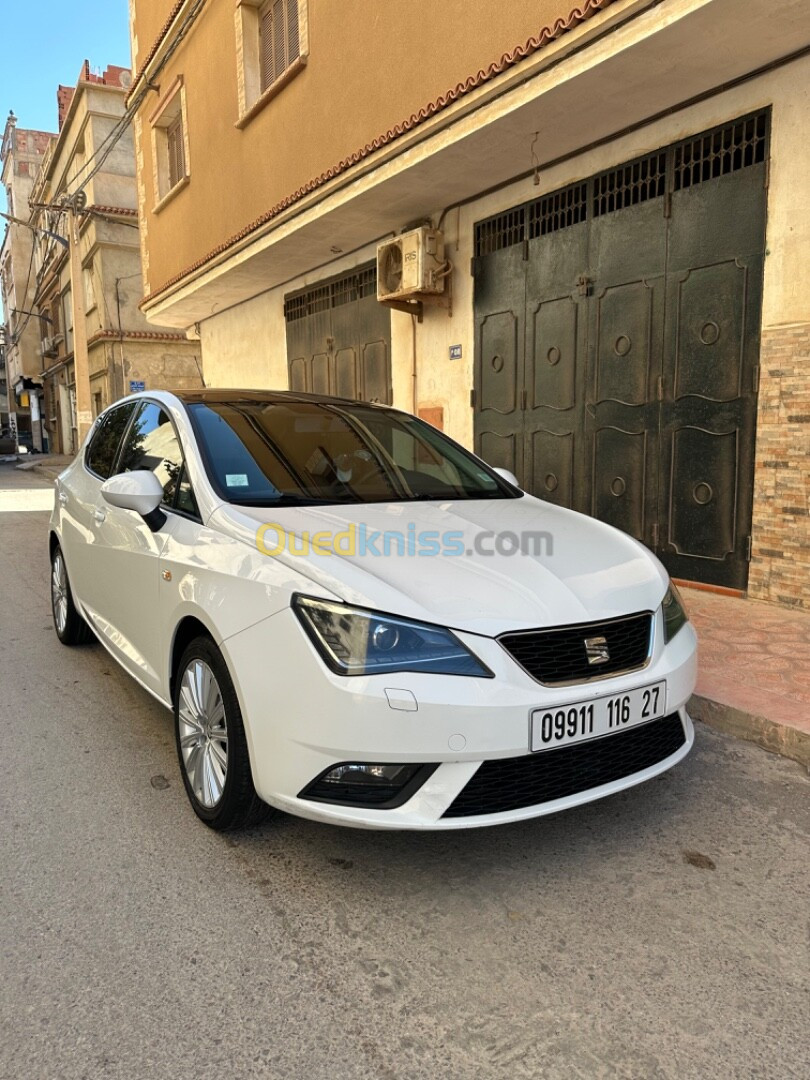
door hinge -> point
(755, 379)
(523, 399)
(767, 179)
(660, 388)
(668, 204)
(472, 398)
(583, 284)
(748, 548)
(655, 535)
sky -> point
(45, 42)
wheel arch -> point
(189, 628)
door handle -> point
(99, 515)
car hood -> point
(569, 568)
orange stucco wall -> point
(371, 64)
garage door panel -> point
(710, 306)
(627, 350)
(500, 450)
(499, 362)
(550, 469)
(320, 383)
(553, 355)
(704, 477)
(375, 365)
(346, 382)
(298, 366)
(620, 471)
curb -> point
(777, 738)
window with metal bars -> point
(630, 184)
(725, 150)
(175, 150)
(343, 290)
(279, 43)
(502, 231)
(558, 210)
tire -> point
(70, 627)
(211, 745)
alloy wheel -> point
(203, 733)
(59, 592)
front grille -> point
(533, 779)
(559, 655)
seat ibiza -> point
(356, 620)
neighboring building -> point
(621, 189)
(125, 351)
(21, 153)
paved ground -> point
(754, 670)
(660, 934)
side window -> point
(100, 454)
(152, 444)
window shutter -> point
(266, 43)
(176, 151)
(278, 39)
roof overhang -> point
(637, 60)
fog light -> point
(359, 784)
(367, 774)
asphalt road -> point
(660, 933)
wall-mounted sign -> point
(455, 352)
(136, 386)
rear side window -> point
(100, 456)
(152, 444)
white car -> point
(356, 620)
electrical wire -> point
(107, 145)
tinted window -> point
(104, 444)
(293, 452)
(152, 444)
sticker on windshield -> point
(236, 479)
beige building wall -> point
(353, 50)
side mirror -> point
(140, 492)
(509, 477)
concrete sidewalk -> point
(47, 465)
(753, 671)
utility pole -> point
(81, 362)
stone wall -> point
(780, 564)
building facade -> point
(125, 352)
(617, 189)
(21, 155)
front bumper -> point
(301, 719)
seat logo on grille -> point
(596, 649)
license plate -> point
(583, 720)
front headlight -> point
(674, 613)
(357, 642)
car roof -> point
(196, 397)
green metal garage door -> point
(617, 343)
(339, 338)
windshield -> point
(303, 453)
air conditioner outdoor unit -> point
(411, 265)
